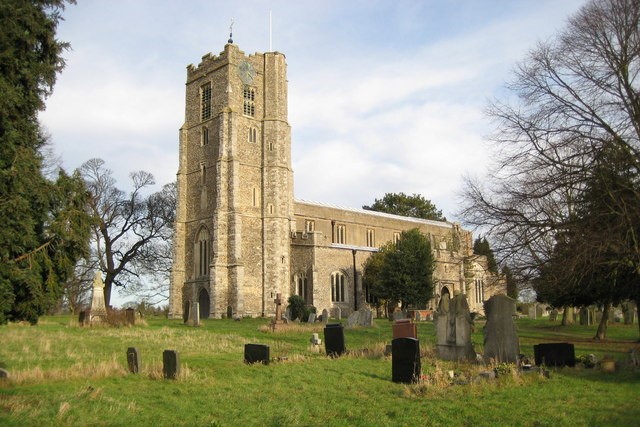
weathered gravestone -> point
(584, 316)
(554, 354)
(82, 317)
(399, 314)
(500, 336)
(98, 312)
(196, 314)
(553, 315)
(170, 364)
(256, 353)
(312, 318)
(337, 313)
(405, 360)
(130, 316)
(453, 329)
(325, 316)
(133, 360)
(334, 339)
(361, 318)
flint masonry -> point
(241, 238)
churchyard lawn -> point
(61, 374)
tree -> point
(577, 99)
(481, 247)
(403, 272)
(126, 226)
(414, 206)
(41, 231)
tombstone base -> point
(455, 353)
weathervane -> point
(231, 32)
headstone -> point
(312, 318)
(278, 302)
(628, 312)
(130, 316)
(398, 314)
(361, 318)
(287, 314)
(133, 360)
(170, 364)
(229, 312)
(196, 314)
(553, 315)
(500, 336)
(404, 328)
(256, 353)
(532, 311)
(584, 316)
(334, 339)
(405, 360)
(554, 354)
(185, 313)
(98, 309)
(338, 313)
(453, 329)
(325, 316)
(315, 339)
(82, 317)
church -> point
(240, 236)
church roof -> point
(443, 224)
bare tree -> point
(577, 96)
(126, 225)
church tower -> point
(235, 187)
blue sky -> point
(384, 96)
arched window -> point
(301, 285)
(337, 287)
(202, 253)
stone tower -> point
(235, 187)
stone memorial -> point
(133, 360)
(337, 313)
(312, 318)
(196, 314)
(130, 316)
(500, 336)
(399, 314)
(256, 353)
(453, 329)
(404, 328)
(554, 354)
(334, 339)
(229, 312)
(405, 360)
(98, 312)
(584, 316)
(362, 318)
(82, 316)
(325, 316)
(553, 315)
(315, 339)
(170, 364)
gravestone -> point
(256, 353)
(361, 318)
(312, 318)
(584, 316)
(315, 339)
(98, 312)
(130, 316)
(82, 317)
(196, 314)
(453, 329)
(133, 360)
(337, 313)
(404, 328)
(334, 339)
(553, 315)
(628, 312)
(287, 314)
(405, 360)
(170, 364)
(398, 314)
(325, 316)
(500, 336)
(554, 354)
(229, 312)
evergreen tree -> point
(35, 233)
(481, 247)
(414, 206)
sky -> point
(384, 95)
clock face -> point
(246, 72)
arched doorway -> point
(203, 302)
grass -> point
(65, 375)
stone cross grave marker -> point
(98, 309)
(278, 302)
